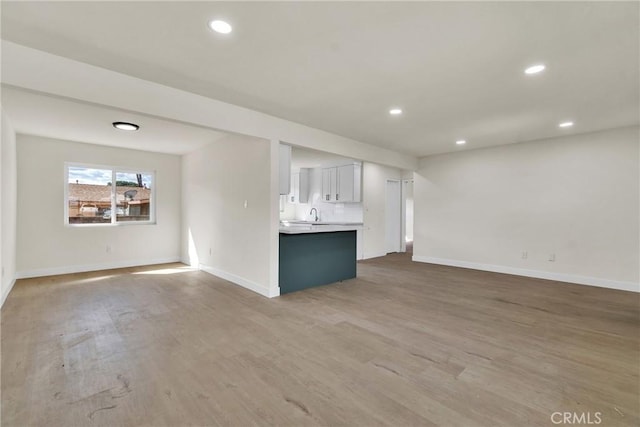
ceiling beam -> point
(44, 72)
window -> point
(106, 195)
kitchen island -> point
(314, 254)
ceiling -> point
(43, 115)
(456, 69)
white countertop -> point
(302, 227)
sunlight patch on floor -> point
(167, 270)
(93, 279)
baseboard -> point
(538, 274)
(245, 283)
(92, 267)
(5, 294)
(374, 255)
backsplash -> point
(328, 212)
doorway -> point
(393, 226)
(407, 215)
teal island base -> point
(314, 259)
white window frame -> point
(114, 202)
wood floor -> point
(404, 344)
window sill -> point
(117, 224)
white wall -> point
(221, 235)
(374, 193)
(576, 197)
(8, 183)
(46, 246)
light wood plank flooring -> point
(404, 344)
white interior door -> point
(393, 217)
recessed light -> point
(395, 111)
(221, 27)
(461, 142)
(534, 69)
(565, 124)
(125, 126)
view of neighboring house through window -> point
(133, 196)
(100, 195)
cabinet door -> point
(345, 184)
(303, 186)
(329, 189)
(294, 195)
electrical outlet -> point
(552, 258)
(209, 251)
(525, 255)
(108, 248)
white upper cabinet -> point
(294, 195)
(284, 175)
(346, 184)
(329, 184)
(299, 187)
(342, 184)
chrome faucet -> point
(314, 209)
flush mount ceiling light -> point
(461, 142)
(221, 27)
(126, 126)
(395, 111)
(535, 69)
(565, 124)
